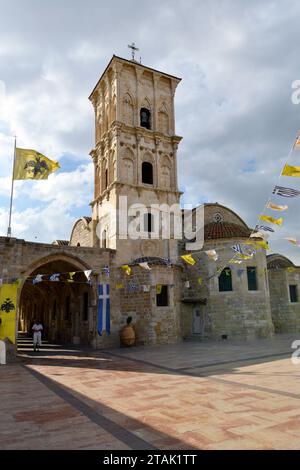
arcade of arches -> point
(63, 307)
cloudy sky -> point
(237, 60)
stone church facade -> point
(135, 157)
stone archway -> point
(67, 309)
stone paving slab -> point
(189, 354)
(32, 417)
(142, 397)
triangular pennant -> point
(71, 275)
(188, 259)
(127, 269)
(88, 274)
(145, 265)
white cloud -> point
(39, 224)
(68, 190)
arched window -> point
(147, 173)
(145, 116)
(225, 280)
(149, 222)
(104, 239)
(97, 181)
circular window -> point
(217, 217)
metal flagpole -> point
(12, 191)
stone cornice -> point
(139, 188)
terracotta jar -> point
(127, 335)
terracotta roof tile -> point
(217, 230)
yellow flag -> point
(30, 164)
(235, 261)
(270, 219)
(8, 302)
(297, 142)
(188, 259)
(293, 241)
(258, 244)
(200, 280)
(71, 275)
(119, 286)
(127, 269)
(291, 270)
(240, 255)
(275, 207)
(289, 170)
(158, 288)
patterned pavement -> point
(194, 395)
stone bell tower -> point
(135, 154)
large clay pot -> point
(127, 335)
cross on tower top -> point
(133, 49)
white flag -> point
(212, 254)
(145, 266)
(264, 236)
(88, 274)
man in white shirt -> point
(37, 334)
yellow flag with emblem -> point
(188, 259)
(8, 316)
(30, 164)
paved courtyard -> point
(194, 395)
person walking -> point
(37, 329)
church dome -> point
(215, 230)
(276, 261)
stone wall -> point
(153, 325)
(19, 259)
(239, 313)
(285, 314)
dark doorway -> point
(56, 303)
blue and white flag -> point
(103, 309)
(237, 248)
(54, 277)
(106, 271)
(38, 278)
(285, 192)
(265, 228)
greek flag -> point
(103, 309)
(285, 192)
(264, 227)
(237, 248)
(106, 270)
